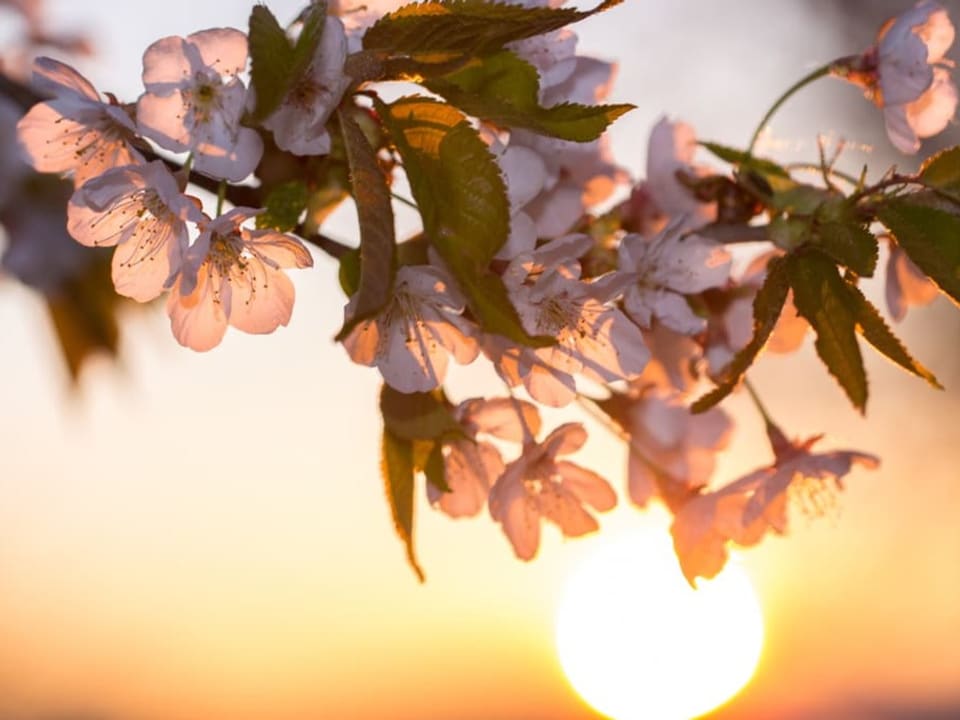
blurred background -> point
(189, 536)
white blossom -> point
(410, 339)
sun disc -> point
(636, 642)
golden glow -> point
(637, 642)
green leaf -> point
(929, 236)
(276, 64)
(875, 331)
(284, 206)
(83, 309)
(462, 199)
(850, 244)
(820, 295)
(396, 466)
(942, 170)
(505, 90)
(466, 27)
(740, 158)
(378, 261)
(767, 305)
(417, 416)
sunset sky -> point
(189, 537)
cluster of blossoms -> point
(631, 312)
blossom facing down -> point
(410, 339)
(681, 445)
(906, 284)
(298, 125)
(665, 268)
(140, 209)
(195, 99)
(538, 486)
(594, 339)
(472, 464)
(906, 73)
(670, 151)
(74, 131)
(744, 510)
(233, 276)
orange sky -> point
(205, 536)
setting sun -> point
(636, 642)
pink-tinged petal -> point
(641, 480)
(262, 304)
(94, 229)
(470, 470)
(293, 136)
(501, 417)
(930, 114)
(526, 174)
(167, 66)
(588, 486)
(51, 77)
(675, 312)
(363, 343)
(522, 239)
(558, 505)
(901, 134)
(790, 330)
(282, 250)
(904, 74)
(589, 83)
(906, 284)
(937, 32)
(412, 363)
(161, 118)
(565, 439)
(449, 332)
(234, 161)
(664, 422)
(51, 140)
(143, 278)
(548, 386)
(557, 211)
(222, 49)
(198, 321)
(616, 350)
(517, 513)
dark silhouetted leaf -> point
(284, 206)
(396, 466)
(930, 238)
(417, 416)
(276, 63)
(378, 262)
(942, 170)
(767, 305)
(875, 331)
(820, 295)
(849, 244)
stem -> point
(408, 203)
(803, 82)
(188, 163)
(330, 246)
(757, 402)
(221, 194)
